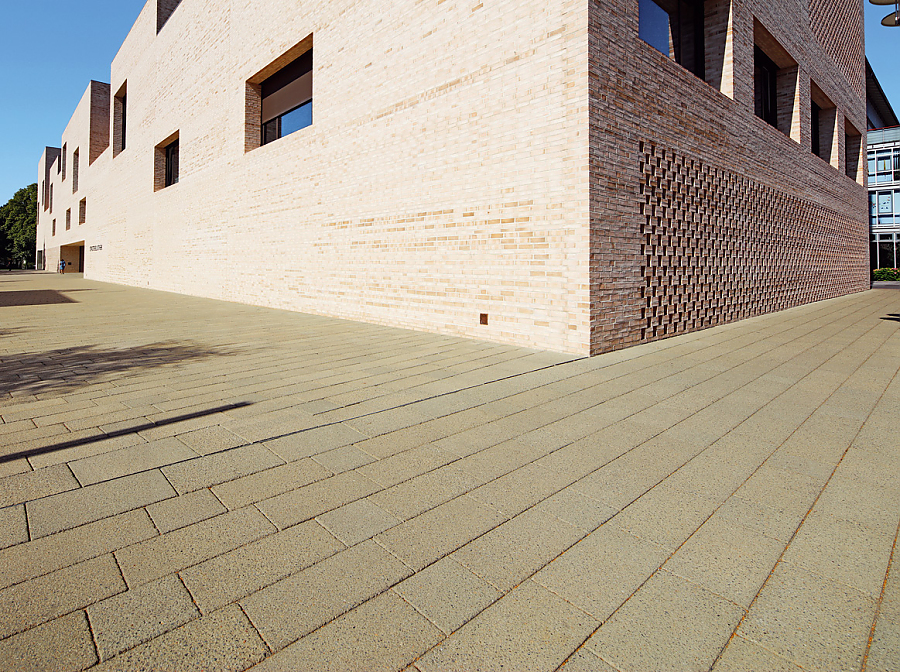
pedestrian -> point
(62, 265)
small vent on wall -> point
(484, 318)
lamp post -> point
(892, 20)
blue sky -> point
(51, 49)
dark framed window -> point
(63, 159)
(75, 166)
(815, 127)
(68, 219)
(676, 29)
(172, 164)
(120, 119)
(82, 211)
(287, 99)
(765, 82)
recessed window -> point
(765, 82)
(63, 159)
(287, 99)
(279, 98)
(823, 125)
(82, 211)
(120, 119)
(853, 152)
(775, 82)
(676, 29)
(53, 228)
(68, 219)
(172, 164)
(75, 164)
(51, 199)
(164, 9)
(166, 160)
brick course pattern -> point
(464, 159)
(720, 248)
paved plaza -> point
(189, 484)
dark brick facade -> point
(701, 213)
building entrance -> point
(73, 255)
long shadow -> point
(892, 317)
(66, 369)
(121, 432)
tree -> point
(18, 225)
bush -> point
(882, 274)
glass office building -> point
(884, 197)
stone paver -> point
(194, 485)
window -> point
(75, 162)
(120, 119)
(164, 9)
(68, 219)
(776, 82)
(51, 199)
(765, 83)
(814, 128)
(287, 100)
(853, 151)
(278, 98)
(44, 196)
(166, 160)
(675, 28)
(63, 159)
(823, 125)
(53, 228)
(82, 211)
(172, 164)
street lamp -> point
(892, 20)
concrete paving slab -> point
(127, 461)
(385, 633)
(220, 642)
(312, 500)
(176, 512)
(669, 624)
(181, 548)
(299, 604)
(743, 656)
(447, 594)
(599, 573)
(813, 621)
(31, 603)
(47, 554)
(125, 620)
(548, 629)
(357, 521)
(228, 577)
(32, 485)
(62, 645)
(220, 467)
(95, 502)
(13, 526)
(313, 441)
(421, 540)
(473, 449)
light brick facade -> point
(536, 162)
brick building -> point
(573, 175)
(883, 149)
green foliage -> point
(886, 274)
(18, 225)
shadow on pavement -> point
(122, 432)
(32, 297)
(67, 369)
(892, 317)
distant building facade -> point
(883, 162)
(572, 175)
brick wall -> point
(701, 213)
(534, 161)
